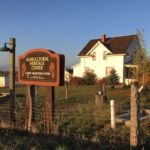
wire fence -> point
(84, 120)
(79, 117)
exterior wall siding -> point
(77, 71)
(117, 62)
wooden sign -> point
(41, 67)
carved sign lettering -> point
(41, 67)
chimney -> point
(103, 38)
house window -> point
(87, 69)
(94, 55)
(104, 55)
(108, 70)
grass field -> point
(79, 123)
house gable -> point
(89, 53)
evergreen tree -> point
(113, 78)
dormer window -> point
(105, 55)
(94, 55)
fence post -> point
(66, 89)
(50, 106)
(30, 104)
(135, 117)
(112, 111)
(104, 90)
(36, 90)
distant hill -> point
(6, 68)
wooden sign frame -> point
(41, 67)
(59, 68)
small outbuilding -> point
(68, 74)
(4, 79)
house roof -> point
(117, 45)
(75, 65)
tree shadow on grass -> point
(17, 140)
(22, 140)
(20, 95)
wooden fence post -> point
(112, 110)
(104, 94)
(135, 117)
(36, 90)
(66, 89)
(50, 106)
(30, 110)
(104, 90)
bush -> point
(89, 78)
(75, 81)
(102, 81)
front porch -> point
(128, 77)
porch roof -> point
(130, 65)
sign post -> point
(30, 107)
(12, 78)
(50, 106)
(41, 67)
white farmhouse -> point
(4, 79)
(102, 55)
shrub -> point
(102, 81)
(75, 81)
(89, 78)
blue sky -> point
(65, 26)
